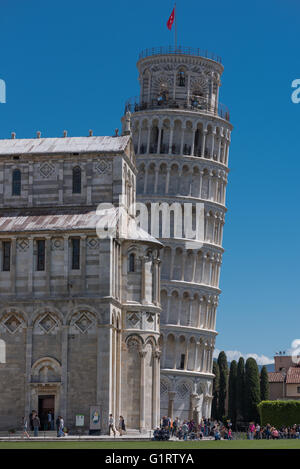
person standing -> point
(111, 423)
(57, 423)
(49, 419)
(36, 424)
(25, 428)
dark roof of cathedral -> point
(22, 146)
(89, 220)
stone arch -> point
(151, 178)
(173, 315)
(191, 354)
(185, 309)
(162, 178)
(174, 179)
(46, 370)
(164, 306)
(170, 351)
(167, 256)
(177, 269)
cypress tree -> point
(216, 385)
(240, 390)
(223, 366)
(252, 390)
(264, 384)
(232, 404)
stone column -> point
(167, 180)
(148, 140)
(176, 352)
(48, 264)
(118, 373)
(182, 141)
(168, 308)
(189, 321)
(193, 142)
(13, 265)
(172, 395)
(171, 140)
(155, 390)
(203, 143)
(142, 391)
(146, 179)
(143, 279)
(159, 140)
(195, 399)
(139, 141)
(30, 184)
(28, 358)
(156, 180)
(83, 263)
(60, 182)
(31, 266)
(64, 372)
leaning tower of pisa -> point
(181, 134)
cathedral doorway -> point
(46, 404)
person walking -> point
(61, 427)
(57, 423)
(111, 425)
(122, 428)
(36, 424)
(25, 428)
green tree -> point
(223, 367)
(252, 390)
(240, 390)
(232, 404)
(216, 386)
(264, 384)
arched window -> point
(16, 182)
(131, 263)
(77, 180)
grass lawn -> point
(171, 445)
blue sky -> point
(72, 65)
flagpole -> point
(175, 10)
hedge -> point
(279, 413)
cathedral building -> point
(94, 321)
(79, 316)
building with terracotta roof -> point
(284, 382)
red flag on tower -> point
(171, 20)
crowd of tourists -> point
(269, 432)
(190, 430)
(35, 424)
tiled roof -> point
(63, 145)
(275, 377)
(293, 375)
